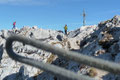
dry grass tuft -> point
(51, 58)
(92, 72)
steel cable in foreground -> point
(69, 75)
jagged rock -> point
(4, 34)
(101, 41)
(99, 52)
(1, 52)
(35, 27)
(74, 33)
(59, 37)
(60, 31)
(22, 74)
(116, 20)
(115, 32)
(117, 58)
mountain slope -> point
(101, 41)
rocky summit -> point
(100, 41)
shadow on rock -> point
(21, 75)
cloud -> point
(25, 2)
(12, 1)
(36, 2)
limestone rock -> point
(87, 40)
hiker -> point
(14, 25)
(65, 28)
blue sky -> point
(54, 14)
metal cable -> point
(57, 71)
(80, 58)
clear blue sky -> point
(54, 14)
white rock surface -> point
(101, 41)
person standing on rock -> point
(65, 28)
(14, 25)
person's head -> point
(65, 24)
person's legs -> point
(13, 26)
(66, 32)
